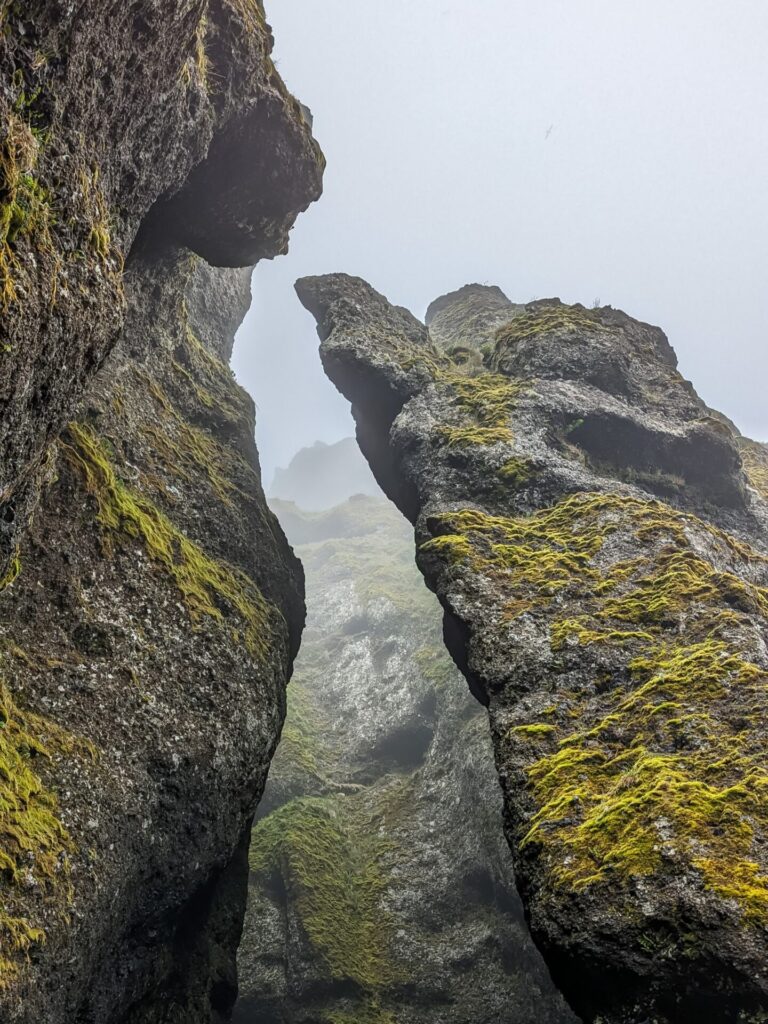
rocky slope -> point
(597, 537)
(381, 889)
(151, 608)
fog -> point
(582, 148)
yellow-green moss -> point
(96, 214)
(570, 320)
(12, 573)
(536, 729)
(175, 443)
(25, 205)
(517, 472)
(305, 745)
(34, 844)
(207, 382)
(668, 765)
(370, 1012)
(331, 863)
(209, 587)
(486, 401)
(754, 459)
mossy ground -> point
(667, 762)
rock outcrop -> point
(597, 538)
(151, 608)
(381, 888)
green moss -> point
(331, 863)
(486, 401)
(34, 844)
(572, 321)
(209, 587)
(517, 472)
(12, 573)
(25, 204)
(667, 762)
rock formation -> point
(150, 608)
(597, 538)
(323, 476)
(381, 888)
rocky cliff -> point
(381, 888)
(150, 607)
(597, 538)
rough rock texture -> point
(597, 537)
(160, 117)
(381, 889)
(150, 612)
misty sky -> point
(581, 148)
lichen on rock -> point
(379, 889)
(602, 567)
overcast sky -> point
(581, 148)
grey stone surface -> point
(597, 538)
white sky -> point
(649, 192)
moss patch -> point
(572, 321)
(668, 764)
(754, 459)
(34, 845)
(209, 587)
(331, 863)
(25, 205)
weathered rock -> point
(382, 890)
(150, 613)
(323, 476)
(160, 117)
(154, 622)
(597, 537)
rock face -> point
(597, 538)
(381, 888)
(151, 609)
(162, 118)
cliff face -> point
(381, 889)
(151, 608)
(597, 538)
(164, 118)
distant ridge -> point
(323, 476)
